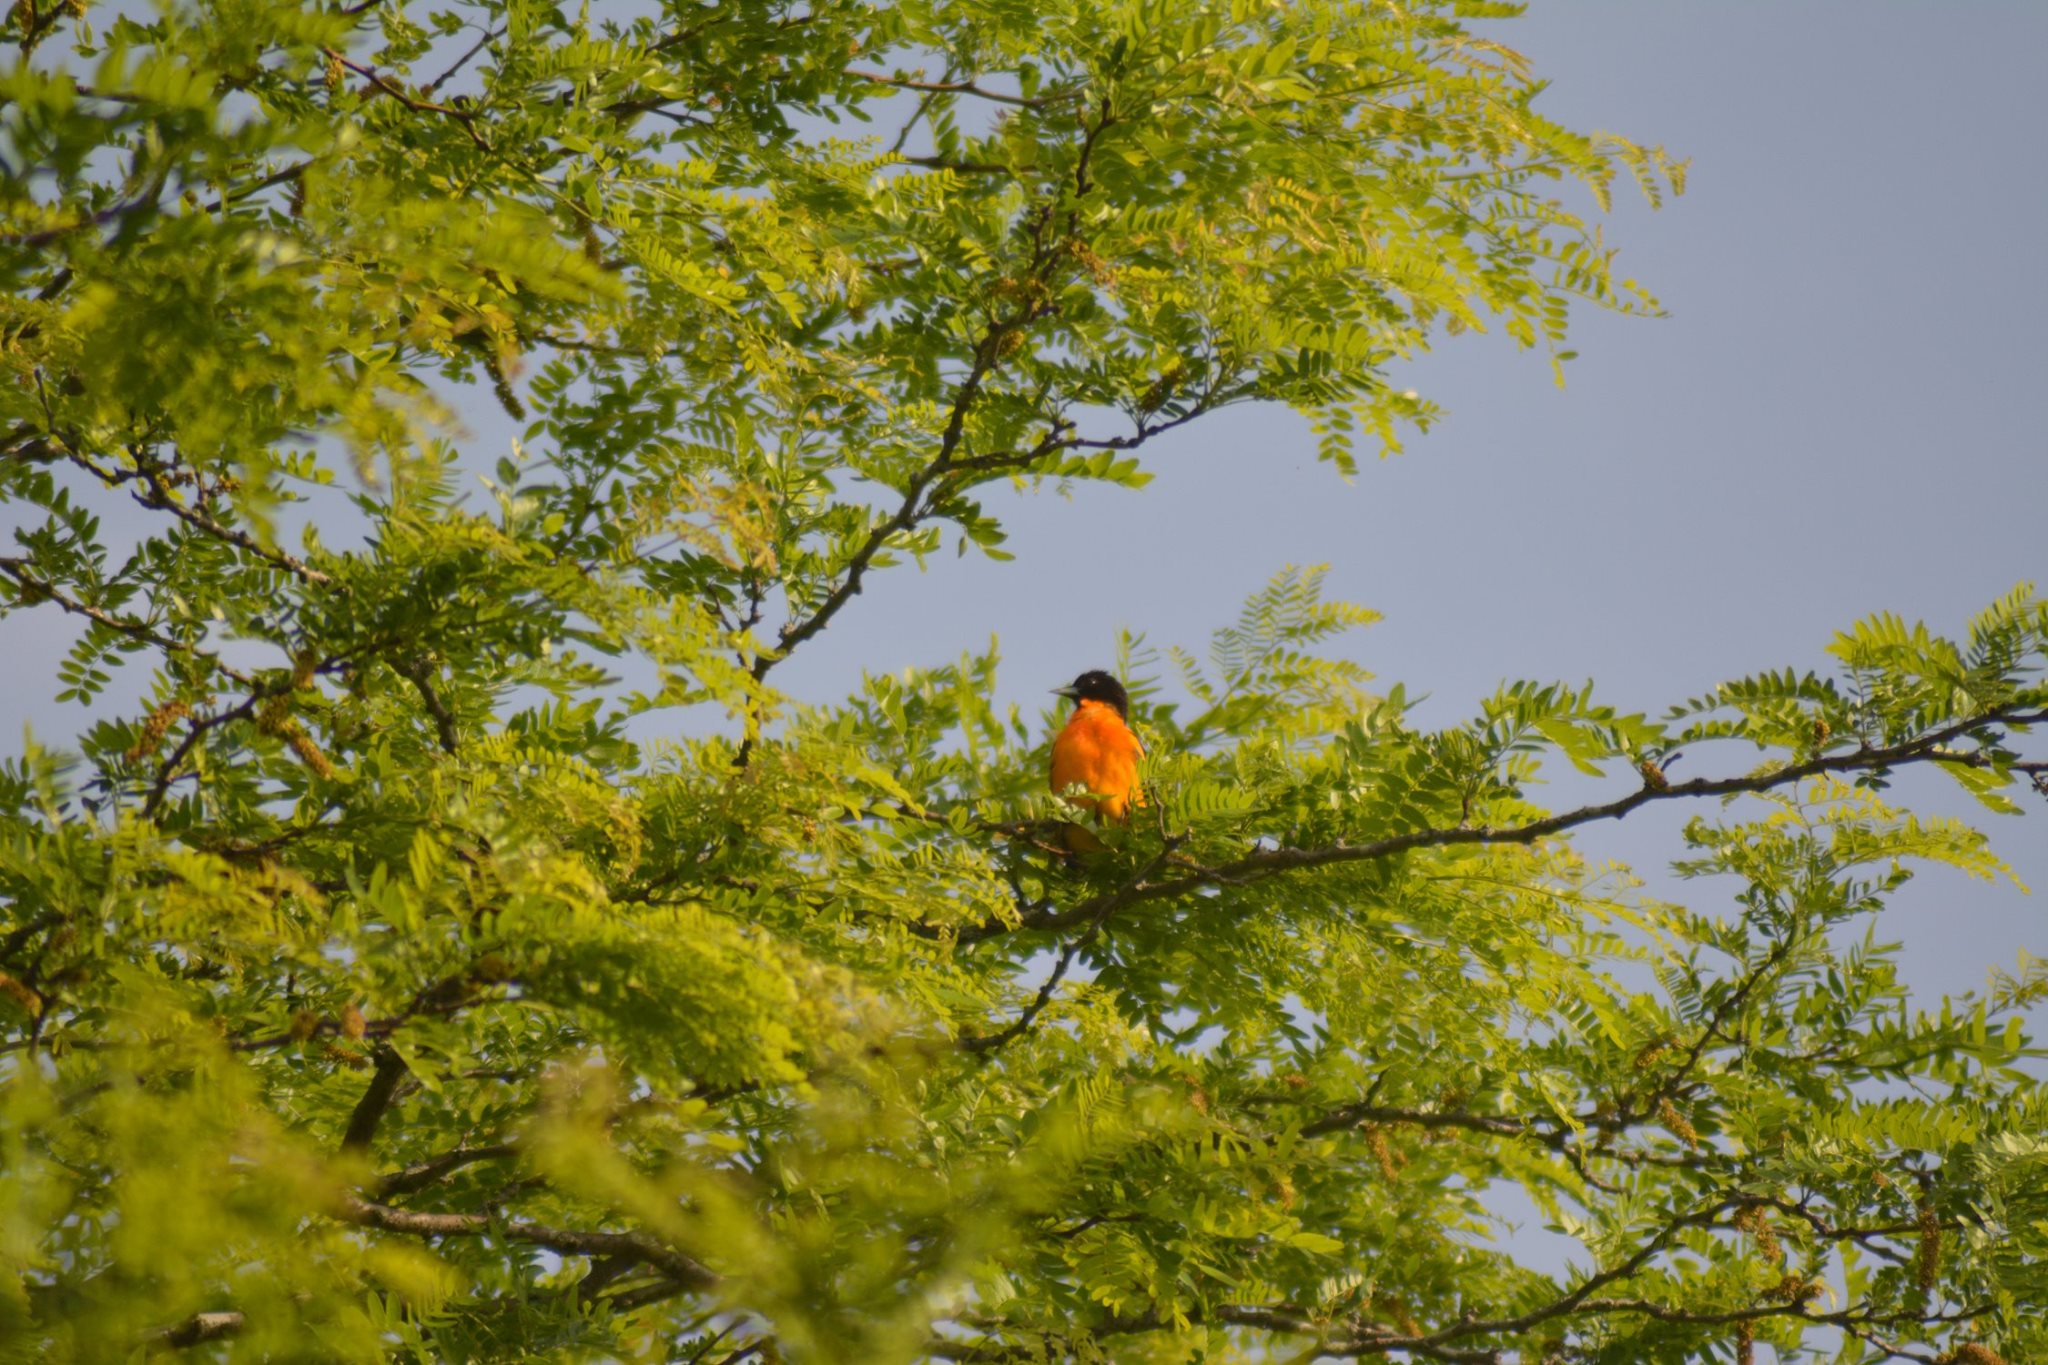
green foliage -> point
(374, 988)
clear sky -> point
(1847, 411)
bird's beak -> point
(1067, 692)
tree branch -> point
(1579, 1303)
(415, 672)
(417, 1177)
(939, 163)
(1352, 1115)
(985, 1044)
(481, 43)
(167, 773)
(160, 496)
(35, 590)
(686, 1271)
(907, 515)
(987, 356)
(110, 214)
(464, 117)
(449, 995)
(645, 1295)
(961, 88)
(201, 1327)
(1266, 863)
(370, 1109)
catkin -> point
(154, 727)
(22, 995)
(1797, 1289)
(1382, 1152)
(1098, 269)
(1677, 1122)
(1767, 1240)
(1398, 1311)
(1970, 1353)
(1755, 1220)
(308, 752)
(274, 718)
(1927, 1264)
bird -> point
(1097, 751)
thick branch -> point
(684, 1270)
(370, 1109)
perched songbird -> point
(1097, 751)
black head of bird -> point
(1096, 685)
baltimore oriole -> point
(1096, 750)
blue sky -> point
(1846, 411)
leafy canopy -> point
(372, 985)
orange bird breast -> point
(1097, 750)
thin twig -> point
(415, 672)
(41, 590)
(435, 84)
(167, 773)
(418, 1176)
(985, 1044)
(960, 88)
(160, 496)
